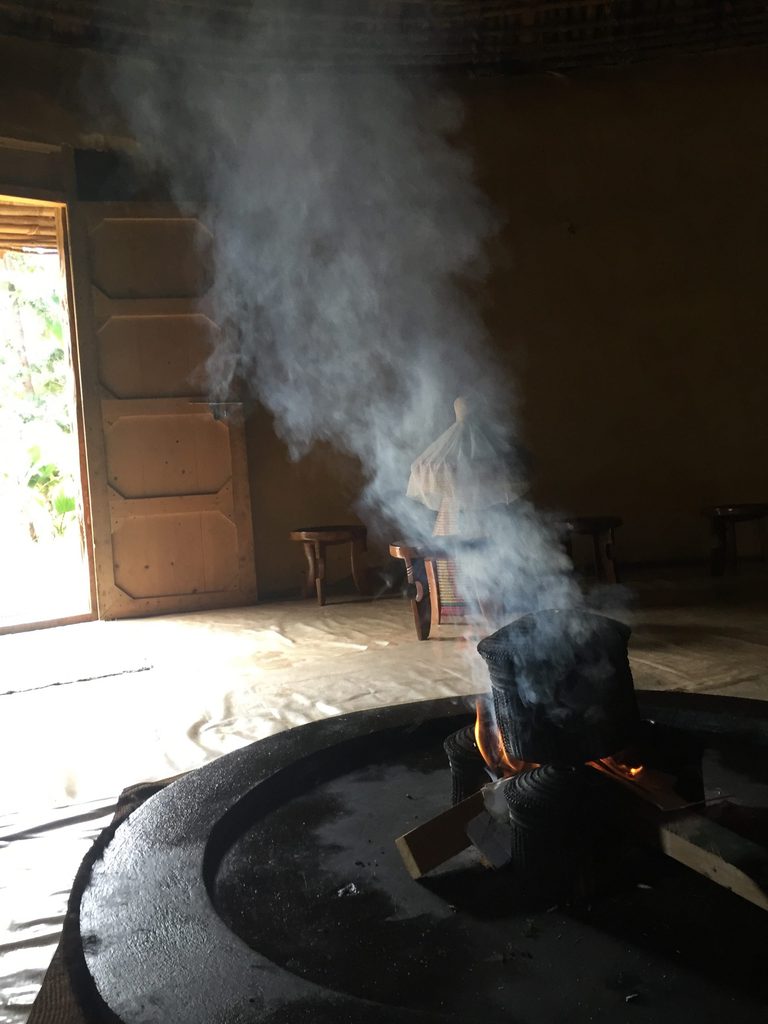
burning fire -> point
(621, 767)
(488, 741)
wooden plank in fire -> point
(701, 844)
(712, 850)
(435, 841)
(650, 784)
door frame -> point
(36, 162)
(46, 173)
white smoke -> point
(346, 226)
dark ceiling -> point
(480, 34)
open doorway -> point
(44, 549)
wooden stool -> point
(316, 539)
(724, 556)
(600, 529)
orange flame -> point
(618, 765)
(489, 743)
(487, 738)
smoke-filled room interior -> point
(383, 512)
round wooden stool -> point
(600, 529)
(316, 539)
(723, 519)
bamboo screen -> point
(25, 226)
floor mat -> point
(160, 696)
(86, 650)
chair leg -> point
(568, 546)
(611, 572)
(612, 549)
(718, 552)
(309, 585)
(420, 602)
(320, 577)
(359, 570)
(602, 546)
(434, 591)
(762, 536)
(731, 555)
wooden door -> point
(167, 472)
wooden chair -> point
(421, 566)
(601, 530)
(316, 539)
(723, 519)
(421, 572)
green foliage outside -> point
(38, 469)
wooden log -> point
(684, 834)
(652, 785)
(662, 818)
(712, 850)
(435, 841)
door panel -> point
(160, 448)
(155, 356)
(168, 473)
(175, 555)
(151, 257)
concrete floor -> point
(90, 708)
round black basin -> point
(267, 887)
